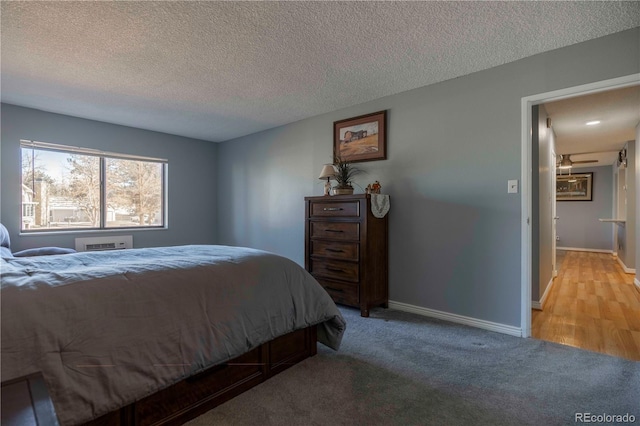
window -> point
(66, 187)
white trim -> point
(525, 219)
(624, 267)
(586, 249)
(93, 231)
(24, 143)
(614, 207)
(459, 319)
(540, 305)
(526, 173)
(547, 290)
(637, 282)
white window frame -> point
(103, 156)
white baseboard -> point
(624, 267)
(615, 254)
(540, 305)
(636, 282)
(460, 319)
(547, 290)
(585, 249)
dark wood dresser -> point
(346, 250)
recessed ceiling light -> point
(593, 123)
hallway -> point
(592, 305)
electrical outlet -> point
(557, 237)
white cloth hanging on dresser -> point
(380, 205)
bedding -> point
(108, 328)
(43, 251)
(5, 247)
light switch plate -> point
(512, 186)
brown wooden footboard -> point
(195, 395)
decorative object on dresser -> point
(328, 172)
(344, 174)
(380, 205)
(362, 138)
(346, 249)
(373, 188)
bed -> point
(121, 335)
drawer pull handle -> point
(334, 250)
(337, 290)
(333, 230)
(335, 269)
(332, 209)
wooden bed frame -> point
(195, 395)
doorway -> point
(529, 259)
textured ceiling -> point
(219, 70)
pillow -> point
(5, 253)
(43, 251)
(4, 237)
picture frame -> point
(574, 187)
(622, 158)
(362, 138)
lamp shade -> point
(327, 172)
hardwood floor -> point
(592, 305)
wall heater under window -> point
(120, 242)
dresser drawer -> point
(344, 293)
(334, 249)
(336, 230)
(334, 209)
(346, 249)
(338, 269)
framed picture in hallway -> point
(574, 187)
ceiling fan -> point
(565, 161)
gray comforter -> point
(108, 328)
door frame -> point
(527, 176)
(554, 214)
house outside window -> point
(28, 207)
(65, 187)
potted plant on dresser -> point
(345, 172)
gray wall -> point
(454, 231)
(192, 189)
(627, 232)
(578, 226)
